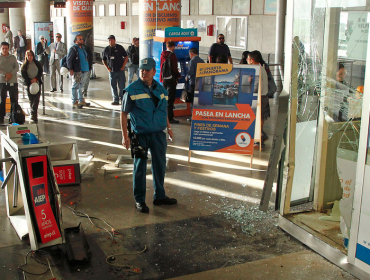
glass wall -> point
(327, 81)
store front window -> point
(326, 93)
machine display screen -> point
(38, 169)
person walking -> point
(171, 78)
(57, 51)
(133, 54)
(42, 51)
(8, 79)
(115, 59)
(255, 58)
(79, 63)
(8, 37)
(20, 45)
(31, 71)
(191, 74)
(146, 102)
(219, 48)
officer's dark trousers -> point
(171, 88)
(157, 144)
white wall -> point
(261, 28)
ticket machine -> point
(184, 40)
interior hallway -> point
(214, 232)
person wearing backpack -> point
(8, 79)
(31, 71)
(79, 63)
(133, 54)
(57, 51)
(169, 76)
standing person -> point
(244, 57)
(255, 58)
(90, 55)
(8, 78)
(42, 51)
(78, 62)
(171, 78)
(219, 48)
(133, 54)
(190, 76)
(32, 72)
(115, 59)
(20, 43)
(57, 51)
(8, 37)
(146, 101)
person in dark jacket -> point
(32, 72)
(79, 63)
(42, 51)
(191, 75)
(170, 83)
(133, 53)
(20, 45)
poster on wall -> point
(224, 110)
(270, 7)
(44, 29)
(353, 35)
(151, 18)
(80, 22)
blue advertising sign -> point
(225, 105)
(180, 32)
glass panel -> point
(234, 29)
(326, 97)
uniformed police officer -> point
(146, 101)
(115, 59)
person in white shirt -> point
(57, 51)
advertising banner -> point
(80, 22)
(39, 189)
(151, 18)
(65, 174)
(45, 29)
(225, 104)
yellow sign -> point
(213, 69)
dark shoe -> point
(115, 103)
(141, 207)
(173, 121)
(165, 201)
(54, 89)
(61, 89)
(189, 120)
(257, 146)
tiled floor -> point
(214, 232)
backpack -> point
(166, 69)
(271, 85)
(63, 61)
(16, 114)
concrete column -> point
(4, 17)
(40, 12)
(280, 37)
(17, 20)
